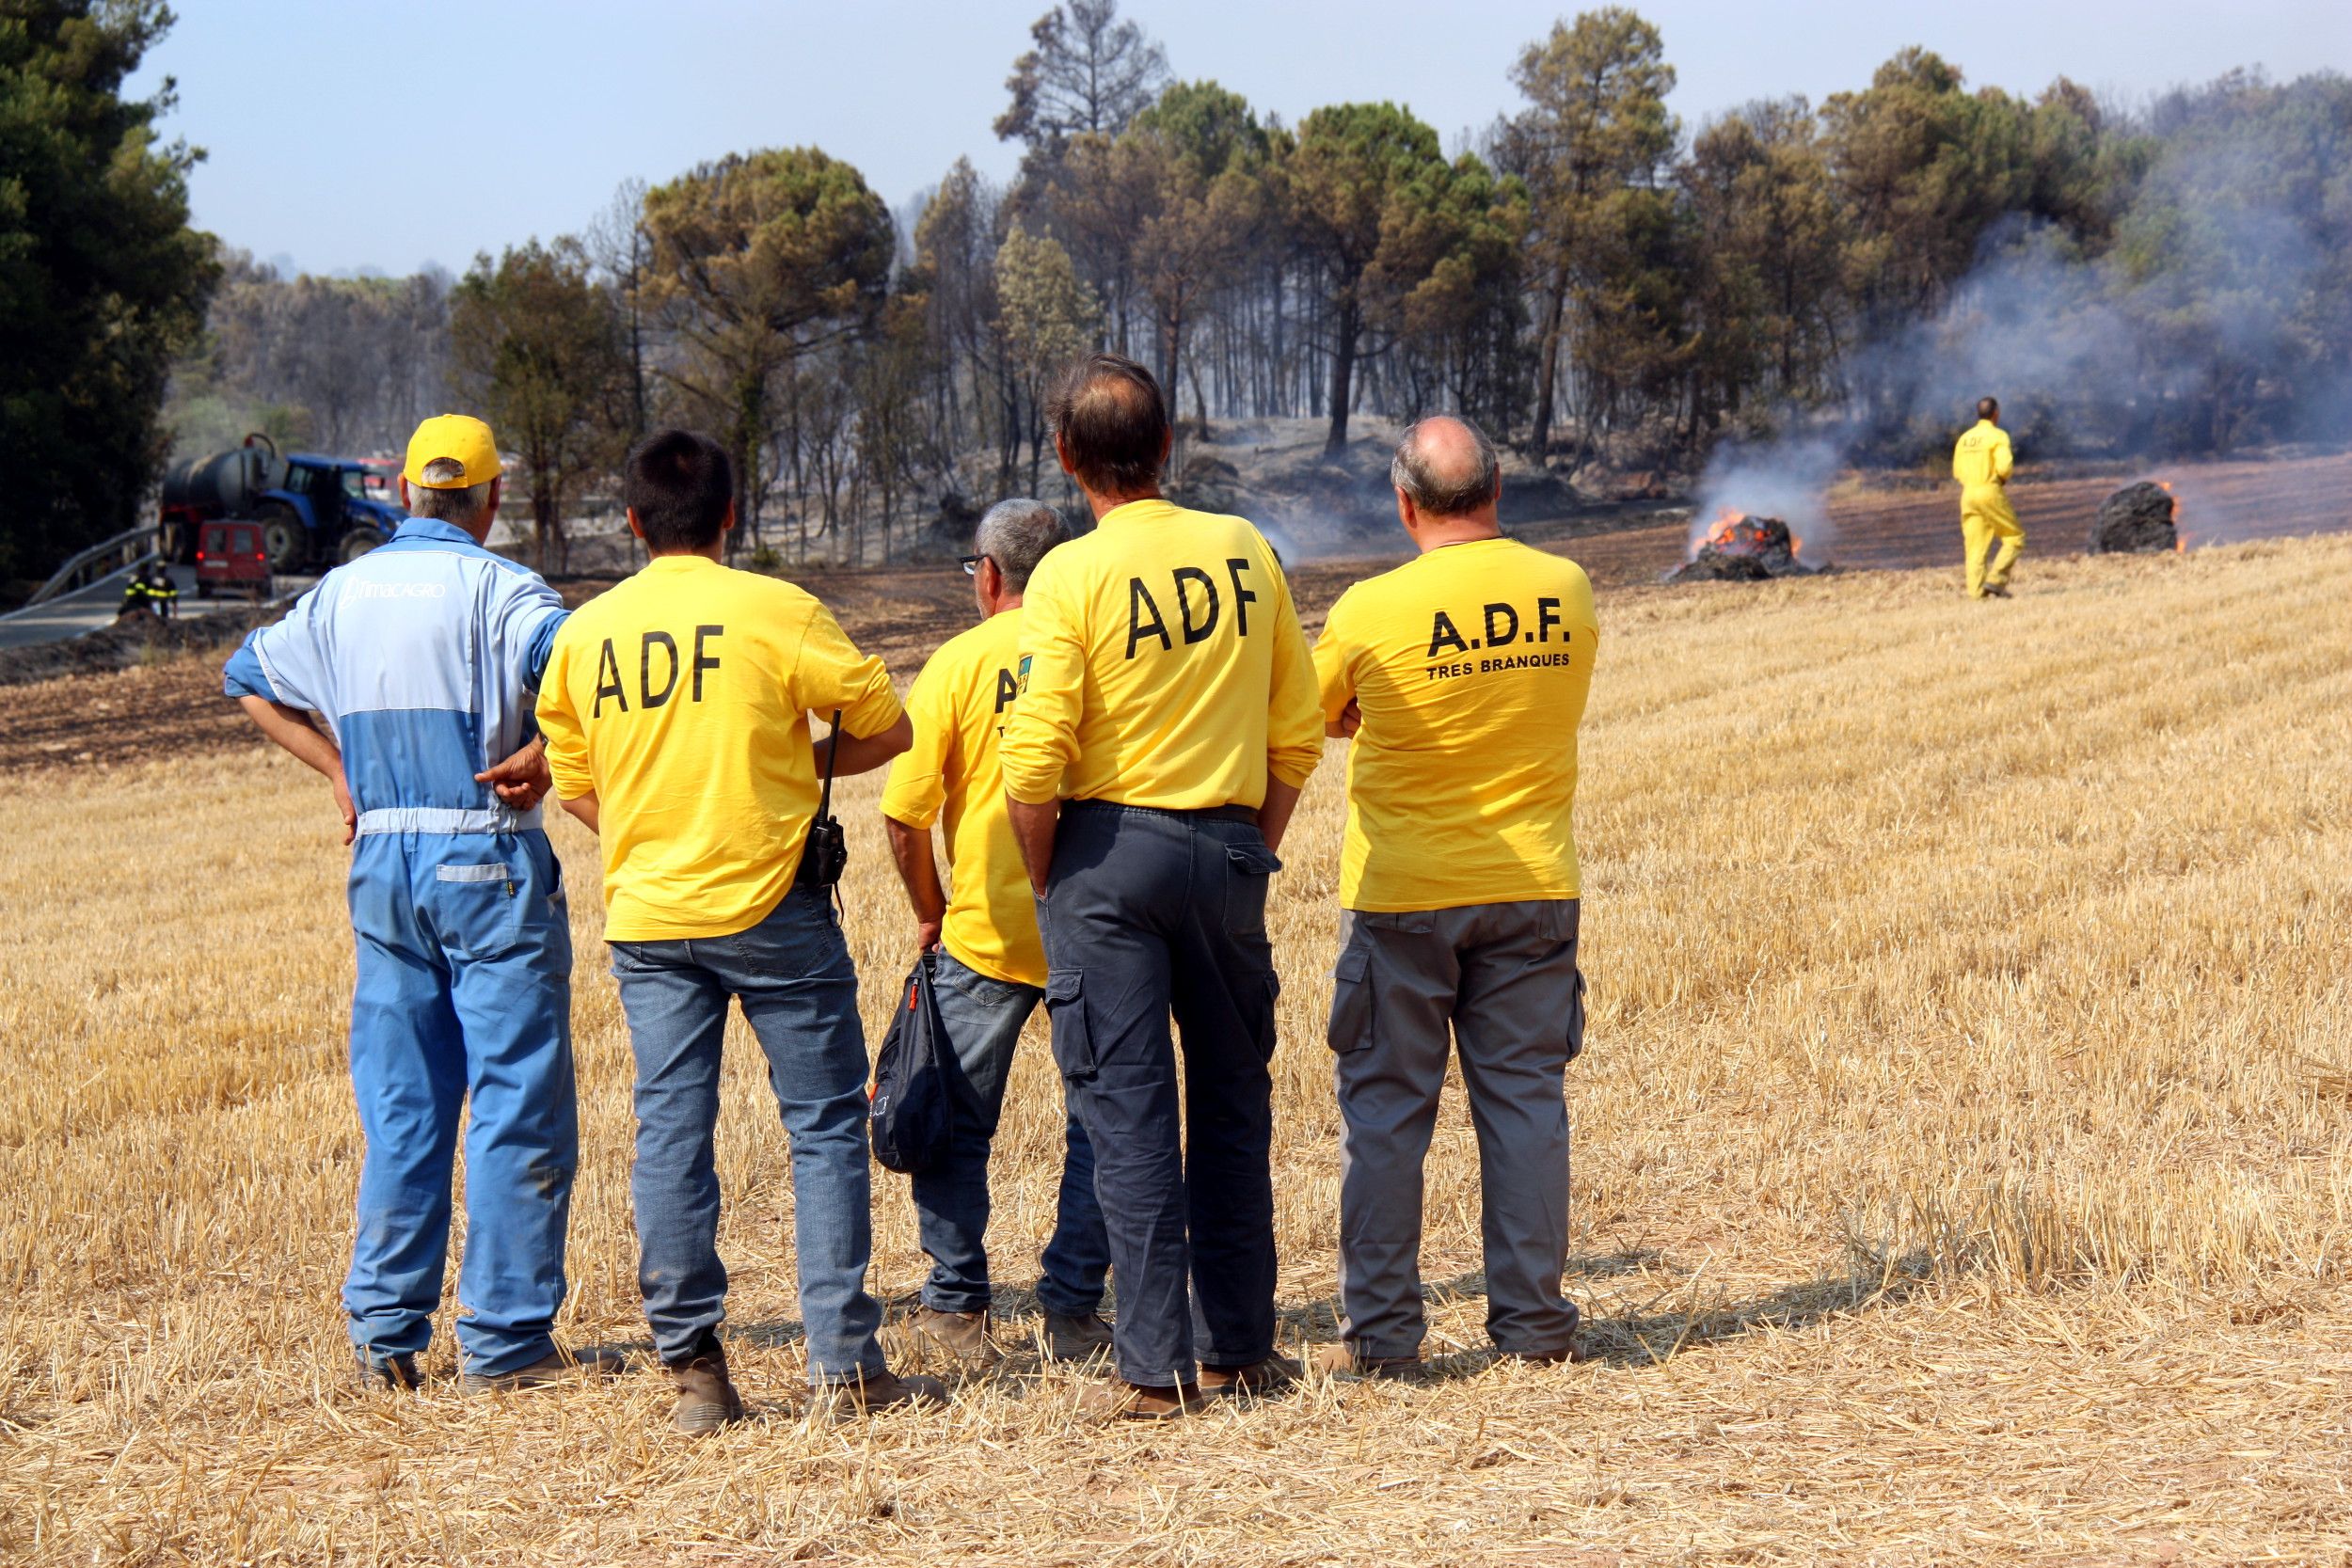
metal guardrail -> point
(134, 545)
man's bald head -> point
(1447, 468)
(1111, 425)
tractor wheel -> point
(284, 540)
(358, 542)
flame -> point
(1726, 522)
(1796, 546)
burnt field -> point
(171, 704)
(1882, 526)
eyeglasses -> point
(971, 565)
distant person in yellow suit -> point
(1981, 464)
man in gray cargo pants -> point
(1461, 678)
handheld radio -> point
(827, 852)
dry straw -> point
(1962, 1156)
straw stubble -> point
(1962, 1161)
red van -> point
(229, 557)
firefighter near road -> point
(1981, 462)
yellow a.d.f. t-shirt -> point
(1471, 665)
(958, 706)
(682, 698)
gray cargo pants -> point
(1504, 976)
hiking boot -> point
(1271, 1375)
(707, 1399)
(1344, 1360)
(397, 1371)
(1570, 1355)
(865, 1393)
(961, 1336)
(1083, 1338)
(1996, 590)
(558, 1369)
(1117, 1399)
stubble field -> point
(1963, 1155)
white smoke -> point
(2083, 353)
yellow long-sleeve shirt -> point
(1162, 665)
(1982, 457)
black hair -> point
(680, 484)
(1109, 413)
(1988, 407)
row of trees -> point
(1588, 277)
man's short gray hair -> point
(462, 507)
(1451, 492)
(1016, 534)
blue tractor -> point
(322, 512)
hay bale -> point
(2136, 520)
(1740, 548)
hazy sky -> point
(346, 134)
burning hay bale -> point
(2137, 518)
(1740, 549)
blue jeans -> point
(984, 1018)
(464, 992)
(792, 974)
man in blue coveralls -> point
(423, 659)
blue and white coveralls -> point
(423, 656)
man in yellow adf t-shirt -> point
(677, 709)
(992, 974)
(1462, 678)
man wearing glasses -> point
(991, 973)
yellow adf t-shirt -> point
(1471, 665)
(1161, 665)
(682, 697)
(958, 706)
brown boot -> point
(1269, 1376)
(397, 1371)
(865, 1394)
(960, 1336)
(1076, 1338)
(707, 1399)
(1344, 1360)
(1117, 1399)
(558, 1369)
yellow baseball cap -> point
(461, 438)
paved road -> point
(89, 608)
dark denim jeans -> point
(792, 974)
(1149, 913)
(984, 1018)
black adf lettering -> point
(1547, 617)
(1007, 689)
(702, 661)
(1243, 597)
(1140, 603)
(608, 682)
(1183, 602)
(1507, 619)
(1444, 634)
(668, 644)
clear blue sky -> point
(345, 135)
